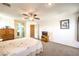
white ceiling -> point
(39, 8)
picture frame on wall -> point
(64, 24)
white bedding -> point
(20, 47)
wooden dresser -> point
(7, 34)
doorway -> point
(19, 29)
(32, 31)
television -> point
(44, 33)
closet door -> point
(32, 31)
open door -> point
(32, 31)
(20, 29)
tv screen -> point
(44, 33)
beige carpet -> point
(55, 49)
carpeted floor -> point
(55, 49)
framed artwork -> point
(64, 24)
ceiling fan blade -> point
(25, 14)
(37, 18)
(6, 4)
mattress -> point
(20, 47)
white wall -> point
(51, 23)
(6, 20)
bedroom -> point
(26, 20)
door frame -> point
(15, 24)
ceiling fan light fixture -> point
(30, 16)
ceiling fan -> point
(31, 16)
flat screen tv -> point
(44, 33)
